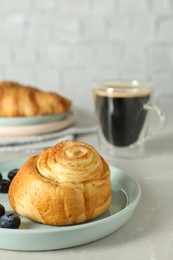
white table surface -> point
(149, 232)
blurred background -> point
(67, 45)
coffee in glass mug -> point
(122, 109)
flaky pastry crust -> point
(17, 100)
(68, 183)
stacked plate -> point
(27, 126)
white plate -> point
(32, 236)
(35, 129)
(32, 120)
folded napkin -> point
(38, 142)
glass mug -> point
(122, 110)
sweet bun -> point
(68, 183)
(17, 100)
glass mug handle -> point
(162, 120)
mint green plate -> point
(32, 120)
(32, 236)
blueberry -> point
(0, 177)
(4, 186)
(12, 173)
(10, 221)
(2, 210)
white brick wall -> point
(66, 45)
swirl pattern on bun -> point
(70, 162)
(68, 183)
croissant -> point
(68, 183)
(17, 100)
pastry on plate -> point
(17, 100)
(65, 184)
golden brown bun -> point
(68, 183)
(18, 100)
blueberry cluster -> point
(5, 183)
(8, 220)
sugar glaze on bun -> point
(66, 184)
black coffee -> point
(121, 117)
